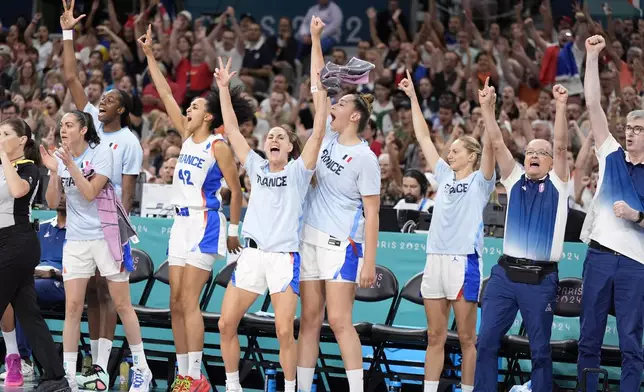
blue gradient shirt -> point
(619, 180)
(457, 221)
(537, 212)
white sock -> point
(69, 361)
(430, 386)
(182, 361)
(104, 351)
(194, 369)
(305, 379)
(355, 380)
(232, 380)
(138, 356)
(467, 388)
(94, 346)
(11, 342)
(289, 386)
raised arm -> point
(373, 33)
(312, 147)
(31, 29)
(592, 90)
(487, 100)
(421, 130)
(235, 138)
(116, 40)
(67, 23)
(114, 20)
(211, 53)
(560, 144)
(162, 86)
(317, 59)
(487, 158)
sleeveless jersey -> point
(197, 178)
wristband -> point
(68, 35)
(233, 230)
(314, 89)
(641, 218)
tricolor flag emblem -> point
(83, 164)
(114, 146)
(347, 158)
(636, 4)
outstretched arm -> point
(592, 90)
(560, 145)
(231, 125)
(487, 100)
(67, 23)
(420, 125)
(160, 82)
(312, 147)
(317, 59)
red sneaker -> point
(201, 385)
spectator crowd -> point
(449, 57)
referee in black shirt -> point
(20, 249)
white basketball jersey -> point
(197, 177)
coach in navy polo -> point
(614, 232)
(526, 276)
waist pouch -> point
(526, 271)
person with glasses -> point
(614, 231)
(526, 276)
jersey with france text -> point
(197, 177)
(344, 174)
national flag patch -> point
(347, 158)
(114, 146)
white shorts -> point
(452, 276)
(82, 258)
(325, 257)
(198, 239)
(257, 271)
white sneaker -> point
(71, 380)
(27, 372)
(234, 388)
(141, 380)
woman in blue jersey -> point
(83, 166)
(340, 233)
(271, 229)
(198, 236)
(453, 271)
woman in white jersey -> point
(83, 166)
(198, 236)
(270, 258)
(340, 232)
(453, 272)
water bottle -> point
(314, 386)
(395, 385)
(124, 376)
(270, 382)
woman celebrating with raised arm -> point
(453, 271)
(340, 234)
(83, 166)
(198, 236)
(270, 258)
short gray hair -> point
(635, 115)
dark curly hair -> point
(241, 106)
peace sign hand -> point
(67, 20)
(146, 42)
(487, 95)
(407, 85)
(223, 74)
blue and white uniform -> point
(614, 267)
(534, 234)
(454, 264)
(86, 249)
(333, 233)
(272, 227)
(198, 235)
(128, 154)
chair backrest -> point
(144, 269)
(483, 286)
(386, 287)
(163, 273)
(411, 289)
(569, 293)
(225, 274)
